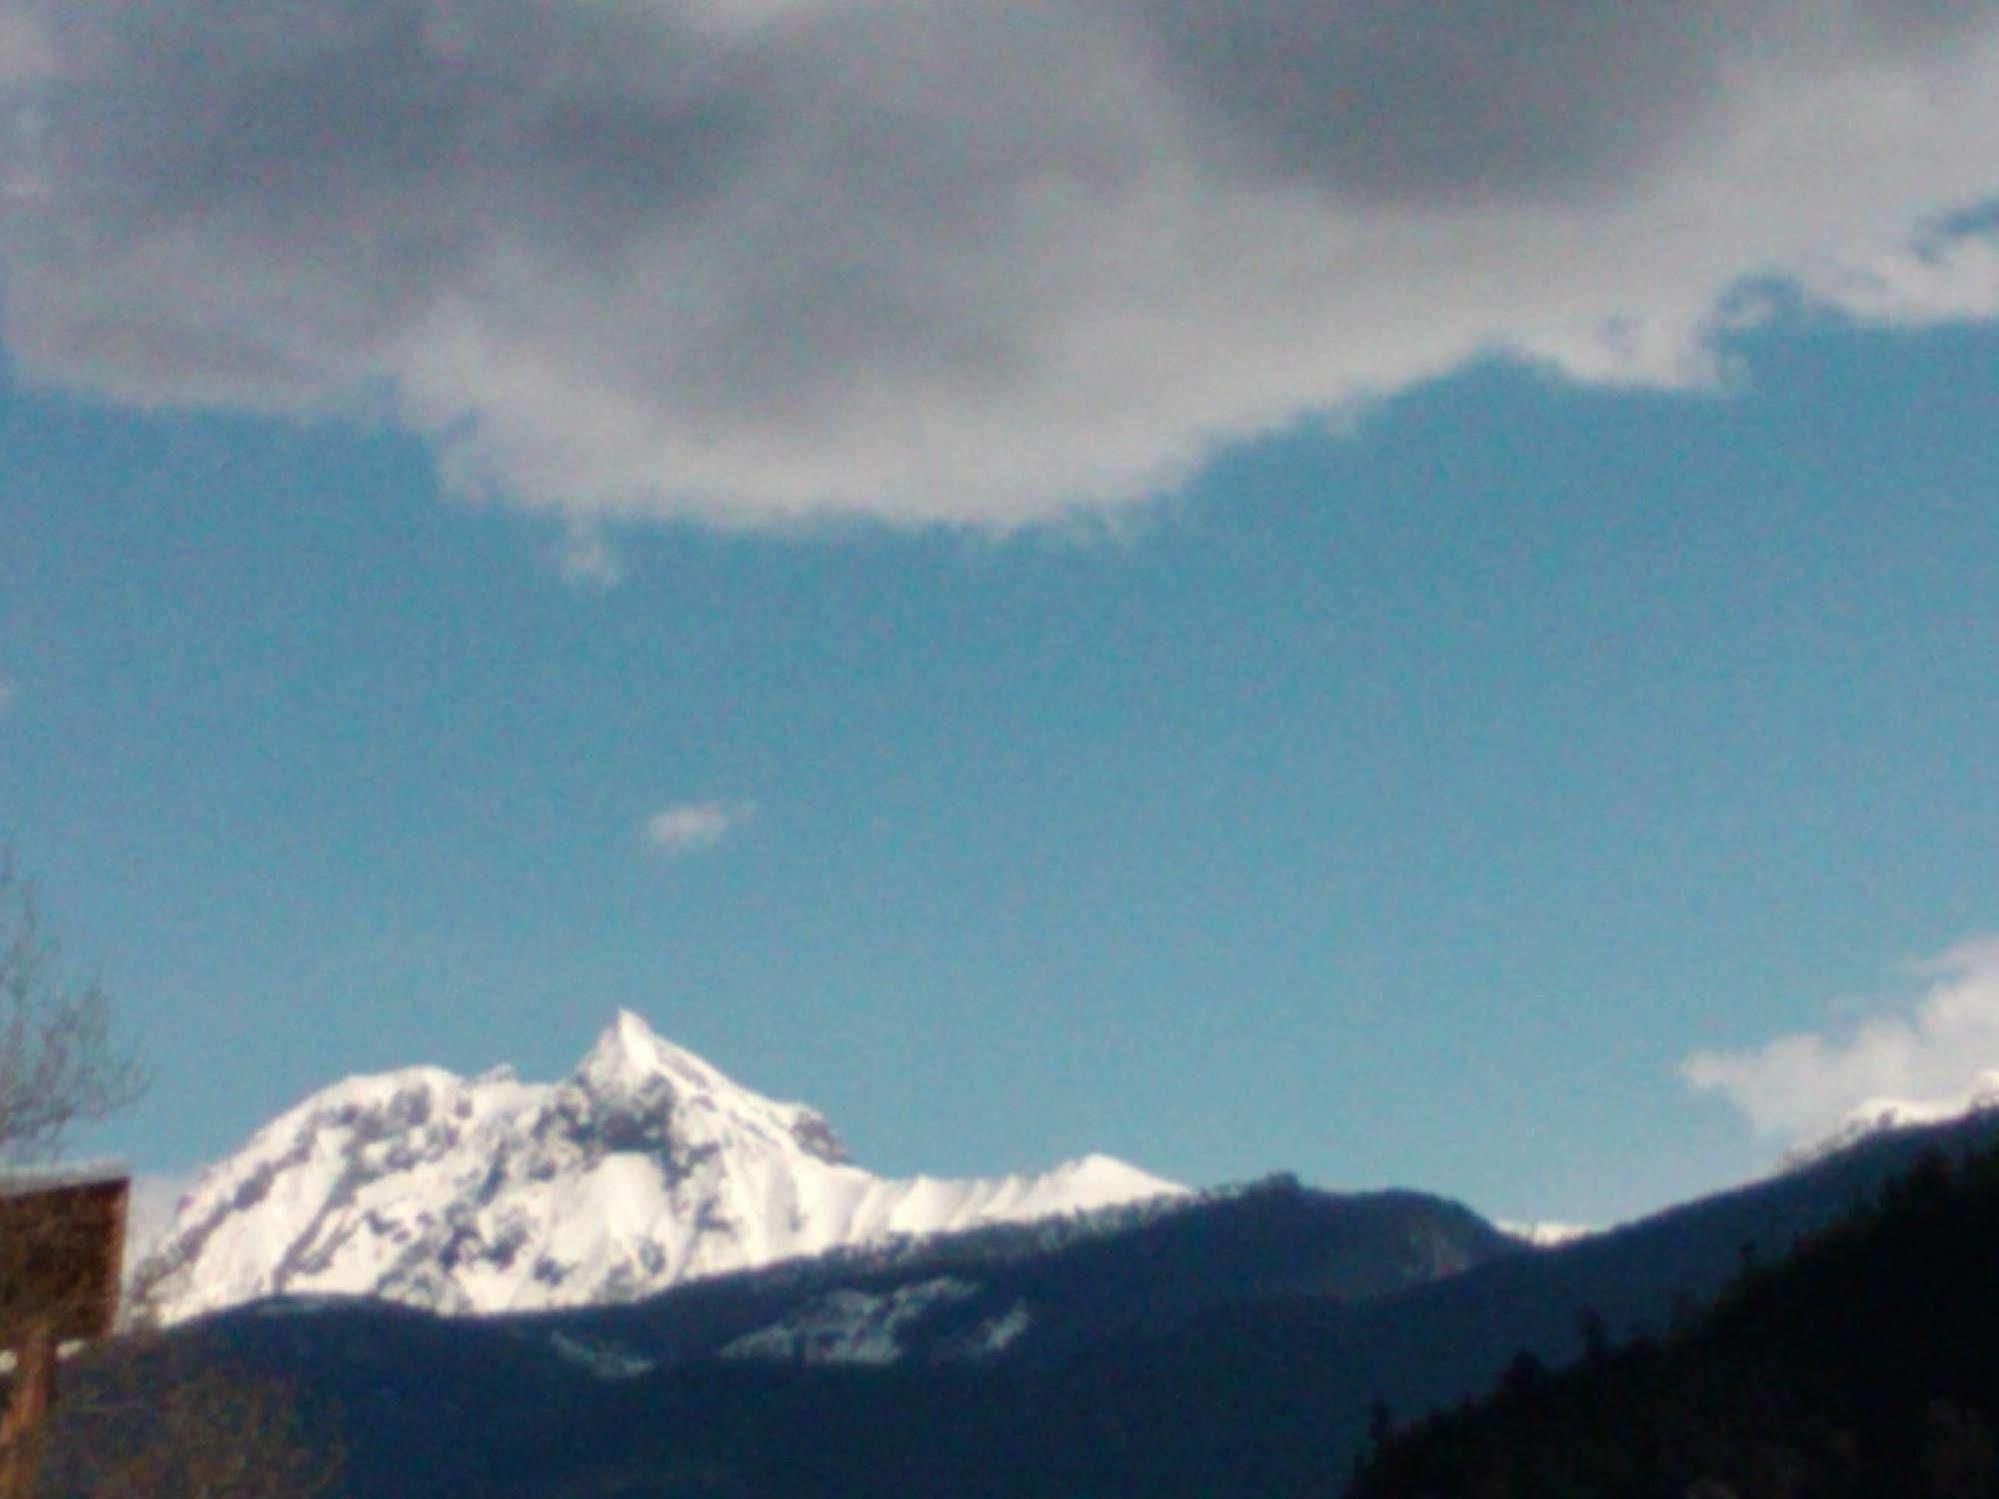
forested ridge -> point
(1864, 1365)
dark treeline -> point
(1865, 1365)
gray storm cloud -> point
(930, 260)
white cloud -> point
(1940, 1046)
(963, 261)
(693, 827)
(1941, 278)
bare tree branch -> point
(59, 1063)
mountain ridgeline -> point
(1252, 1341)
(1866, 1364)
(942, 1366)
(646, 1167)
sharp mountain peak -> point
(646, 1167)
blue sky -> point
(1393, 766)
(1396, 806)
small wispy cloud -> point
(7, 695)
(588, 559)
(694, 827)
(1800, 1087)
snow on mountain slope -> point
(1546, 1235)
(644, 1168)
(849, 1327)
(1878, 1115)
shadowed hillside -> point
(1865, 1364)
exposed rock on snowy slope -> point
(645, 1168)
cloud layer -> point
(692, 827)
(1800, 1087)
(971, 261)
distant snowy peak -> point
(646, 1167)
(1880, 1115)
(1546, 1235)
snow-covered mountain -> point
(1879, 1115)
(1546, 1235)
(646, 1167)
